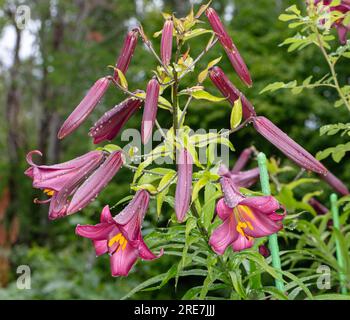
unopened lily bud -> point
(184, 184)
(227, 43)
(85, 107)
(318, 206)
(288, 146)
(166, 45)
(229, 91)
(264, 251)
(126, 52)
(110, 124)
(335, 183)
(150, 110)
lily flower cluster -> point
(72, 185)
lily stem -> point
(273, 240)
(340, 258)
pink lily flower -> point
(85, 107)
(335, 183)
(184, 184)
(249, 218)
(121, 236)
(92, 186)
(318, 206)
(150, 110)
(110, 124)
(227, 43)
(61, 180)
(287, 145)
(166, 45)
(127, 52)
(229, 91)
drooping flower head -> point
(127, 52)
(244, 219)
(150, 110)
(85, 107)
(227, 43)
(229, 91)
(184, 184)
(62, 181)
(110, 124)
(121, 236)
(166, 44)
(288, 146)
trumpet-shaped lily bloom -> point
(85, 107)
(150, 110)
(318, 206)
(110, 124)
(227, 43)
(61, 180)
(92, 186)
(127, 52)
(249, 218)
(184, 184)
(166, 44)
(288, 146)
(120, 236)
(229, 91)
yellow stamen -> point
(49, 192)
(242, 221)
(120, 239)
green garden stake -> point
(273, 241)
(336, 225)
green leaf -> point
(122, 79)
(204, 95)
(210, 197)
(203, 75)
(236, 114)
(287, 17)
(195, 33)
(273, 87)
(160, 196)
(198, 186)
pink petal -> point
(264, 204)
(101, 247)
(232, 196)
(223, 210)
(242, 243)
(123, 260)
(106, 216)
(224, 235)
(242, 160)
(99, 231)
(245, 179)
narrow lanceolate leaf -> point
(229, 91)
(335, 183)
(230, 49)
(110, 124)
(85, 107)
(150, 110)
(166, 45)
(288, 146)
(90, 189)
(122, 79)
(126, 52)
(184, 184)
(236, 114)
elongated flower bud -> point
(229, 91)
(126, 52)
(318, 206)
(166, 44)
(335, 183)
(150, 110)
(287, 145)
(85, 107)
(242, 160)
(110, 124)
(184, 184)
(89, 190)
(231, 50)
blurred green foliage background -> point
(64, 49)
